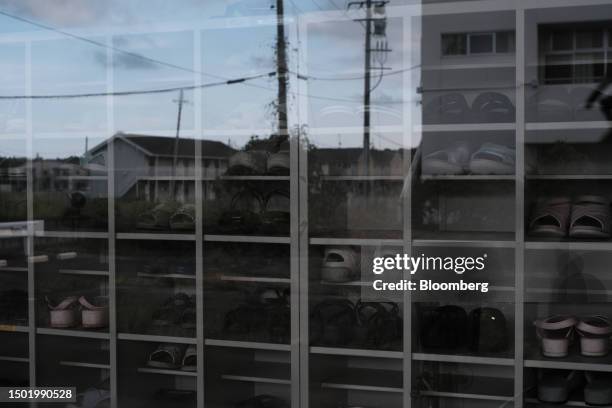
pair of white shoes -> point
(557, 334)
(459, 158)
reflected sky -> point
(148, 45)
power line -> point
(352, 78)
(103, 45)
(142, 92)
(136, 55)
(225, 81)
(345, 13)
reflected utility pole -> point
(181, 100)
(281, 69)
(380, 24)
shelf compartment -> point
(73, 333)
(81, 364)
(377, 381)
(351, 352)
(247, 239)
(247, 345)
(83, 272)
(149, 370)
(481, 388)
(254, 279)
(464, 359)
(262, 372)
(156, 339)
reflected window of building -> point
(478, 43)
(574, 53)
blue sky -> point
(228, 113)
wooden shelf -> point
(165, 276)
(261, 372)
(570, 245)
(473, 388)
(10, 328)
(71, 234)
(338, 351)
(254, 279)
(155, 236)
(466, 127)
(80, 364)
(10, 359)
(357, 241)
(361, 379)
(247, 239)
(360, 178)
(73, 333)
(569, 177)
(577, 125)
(565, 404)
(14, 269)
(351, 283)
(156, 339)
(467, 177)
(247, 345)
(464, 239)
(464, 359)
(83, 272)
(255, 178)
(574, 361)
(179, 373)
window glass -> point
(504, 42)
(481, 43)
(454, 44)
(558, 68)
(589, 39)
(562, 40)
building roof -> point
(164, 146)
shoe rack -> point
(305, 374)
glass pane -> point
(558, 69)
(454, 44)
(504, 42)
(481, 43)
(589, 39)
(563, 40)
